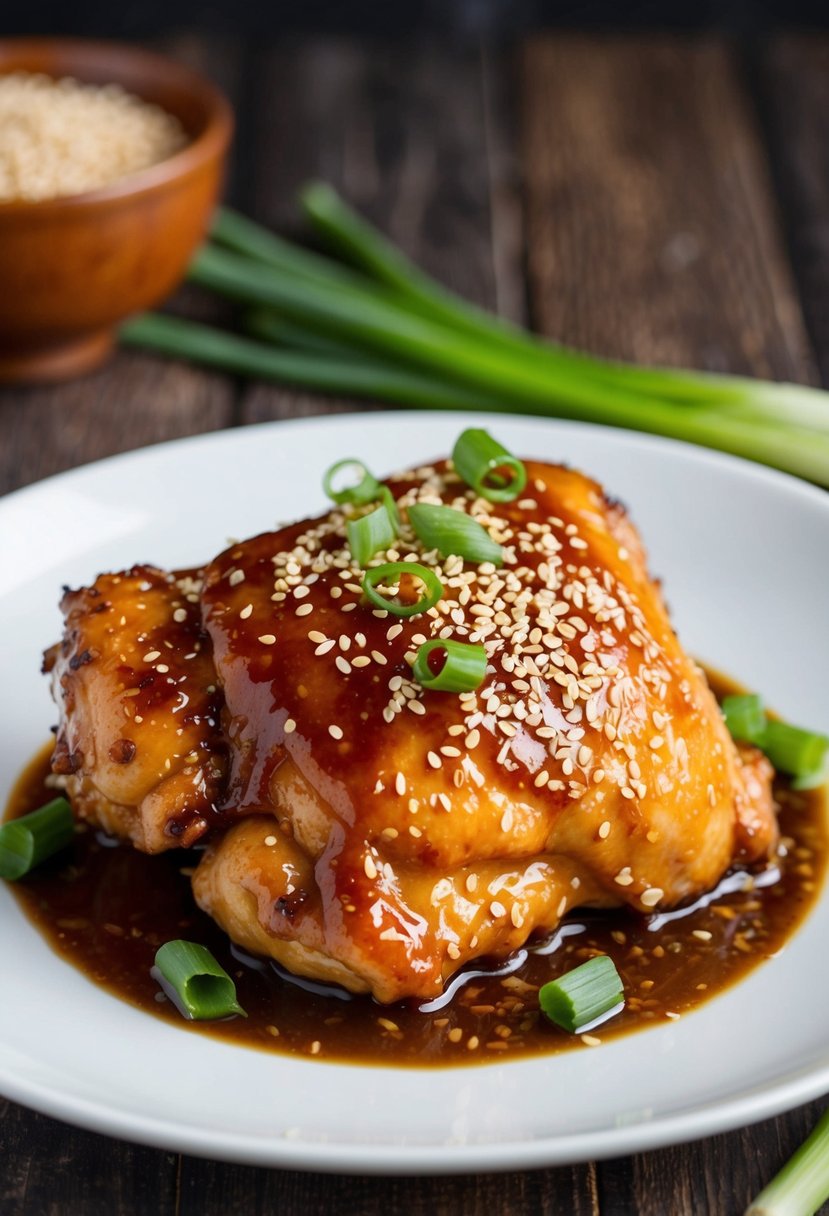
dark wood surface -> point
(642, 197)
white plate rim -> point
(743, 1108)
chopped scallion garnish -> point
(453, 532)
(463, 669)
(371, 533)
(791, 749)
(30, 840)
(744, 716)
(581, 996)
(794, 750)
(487, 466)
(199, 986)
(400, 579)
(364, 489)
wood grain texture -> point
(652, 231)
(791, 75)
(50, 1169)
(417, 137)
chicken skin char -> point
(406, 831)
(364, 830)
(139, 743)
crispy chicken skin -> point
(139, 742)
(389, 834)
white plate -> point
(743, 554)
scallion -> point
(199, 986)
(463, 669)
(794, 750)
(370, 534)
(364, 488)
(453, 532)
(31, 839)
(395, 576)
(801, 753)
(802, 1186)
(744, 716)
(581, 996)
(487, 466)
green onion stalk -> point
(802, 1186)
(378, 327)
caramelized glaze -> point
(92, 906)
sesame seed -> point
(236, 577)
(179, 615)
(270, 841)
(433, 759)
(362, 660)
(343, 665)
(379, 658)
(455, 1034)
(590, 1040)
(400, 784)
(267, 639)
(335, 732)
(369, 867)
(604, 829)
(162, 668)
(152, 655)
(314, 635)
(453, 951)
(304, 610)
(497, 909)
(324, 647)
(651, 897)
(246, 611)
(624, 878)
(703, 935)
(471, 882)
(290, 726)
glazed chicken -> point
(139, 743)
(364, 830)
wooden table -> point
(644, 198)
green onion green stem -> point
(384, 326)
(365, 489)
(487, 466)
(378, 381)
(463, 668)
(201, 989)
(802, 1186)
(580, 997)
(745, 717)
(370, 534)
(400, 578)
(453, 532)
(362, 245)
(31, 839)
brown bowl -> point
(71, 268)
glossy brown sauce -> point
(106, 908)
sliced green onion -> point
(370, 534)
(802, 1186)
(200, 988)
(583, 995)
(745, 717)
(803, 754)
(794, 750)
(30, 840)
(463, 670)
(364, 490)
(487, 467)
(391, 575)
(453, 532)
(387, 497)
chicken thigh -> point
(389, 834)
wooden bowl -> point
(72, 268)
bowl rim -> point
(211, 142)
